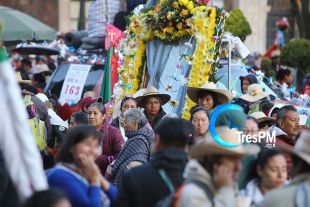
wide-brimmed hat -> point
(20, 80)
(301, 148)
(43, 68)
(223, 96)
(152, 91)
(255, 93)
(211, 147)
(261, 117)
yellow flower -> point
(184, 2)
(184, 12)
(190, 5)
(175, 5)
(150, 12)
(170, 15)
(180, 25)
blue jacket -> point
(78, 193)
(241, 102)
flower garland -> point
(207, 24)
(171, 20)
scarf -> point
(137, 148)
(71, 168)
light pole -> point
(82, 20)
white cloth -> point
(252, 191)
(22, 158)
(55, 119)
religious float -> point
(171, 45)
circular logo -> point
(215, 115)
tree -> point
(296, 54)
(238, 24)
(302, 15)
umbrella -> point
(20, 26)
(38, 50)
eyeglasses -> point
(247, 131)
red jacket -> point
(289, 141)
(111, 146)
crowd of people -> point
(145, 157)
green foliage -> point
(296, 54)
(265, 64)
(271, 73)
(238, 25)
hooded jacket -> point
(136, 148)
(241, 102)
(143, 186)
(283, 138)
(194, 196)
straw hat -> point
(223, 96)
(261, 117)
(42, 68)
(152, 91)
(211, 147)
(301, 148)
(255, 93)
(20, 80)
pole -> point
(229, 65)
(81, 23)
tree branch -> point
(299, 18)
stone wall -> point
(44, 10)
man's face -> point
(152, 106)
(233, 163)
(206, 102)
(290, 125)
(25, 67)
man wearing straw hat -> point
(297, 192)
(152, 101)
(211, 175)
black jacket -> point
(157, 118)
(241, 102)
(143, 186)
(115, 123)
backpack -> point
(173, 199)
(36, 124)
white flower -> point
(188, 44)
(183, 80)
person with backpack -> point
(144, 185)
(211, 175)
(59, 130)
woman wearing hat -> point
(209, 96)
(246, 81)
(214, 168)
(254, 96)
(152, 102)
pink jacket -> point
(111, 146)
